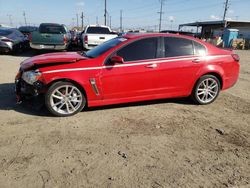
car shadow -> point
(183, 101)
(8, 102)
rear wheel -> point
(64, 99)
(206, 90)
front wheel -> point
(64, 99)
(206, 90)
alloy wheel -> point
(66, 99)
(207, 90)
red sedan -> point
(128, 69)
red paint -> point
(127, 82)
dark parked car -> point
(75, 38)
(26, 30)
(12, 40)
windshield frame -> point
(105, 47)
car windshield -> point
(98, 30)
(104, 47)
(5, 32)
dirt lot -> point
(167, 143)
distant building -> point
(210, 29)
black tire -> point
(49, 100)
(196, 97)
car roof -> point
(145, 35)
(142, 35)
(98, 26)
(7, 29)
(51, 24)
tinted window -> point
(199, 49)
(98, 30)
(178, 47)
(54, 29)
(139, 50)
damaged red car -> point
(130, 68)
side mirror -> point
(116, 59)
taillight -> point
(236, 57)
(65, 39)
(30, 37)
(86, 39)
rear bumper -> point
(48, 47)
(89, 46)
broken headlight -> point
(31, 76)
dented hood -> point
(52, 58)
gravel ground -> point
(166, 143)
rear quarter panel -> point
(222, 65)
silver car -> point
(11, 40)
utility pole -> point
(10, 19)
(162, 1)
(82, 19)
(77, 23)
(120, 20)
(225, 13)
(97, 22)
(105, 12)
(110, 21)
(171, 24)
(24, 15)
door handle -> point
(151, 66)
(196, 61)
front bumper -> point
(25, 91)
(48, 47)
(6, 46)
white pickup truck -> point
(94, 35)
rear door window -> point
(140, 50)
(175, 46)
(199, 49)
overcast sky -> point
(136, 13)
